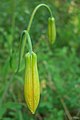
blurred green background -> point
(59, 65)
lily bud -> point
(31, 84)
(51, 30)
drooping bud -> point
(51, 30)
(31, 85)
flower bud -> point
(51, 30)
(31, 85)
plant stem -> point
(29, 42)
(66, 109)
(25, 35)
(61, 100)
(35, 10)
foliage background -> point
(59, 65)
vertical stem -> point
(12, 30)
(66, 109)
(13, 23)
(13, 18)
(29, 42)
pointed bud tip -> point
(33, 112)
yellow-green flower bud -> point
(51, 30)
(31, 85)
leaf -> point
(2, 111)
(12, 105)
(22, 47)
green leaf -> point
(22, 47)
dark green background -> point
(59, 64)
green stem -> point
(32, 16)
(29, 42)
(25, 35)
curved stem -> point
(32, 16)
(25, 35)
